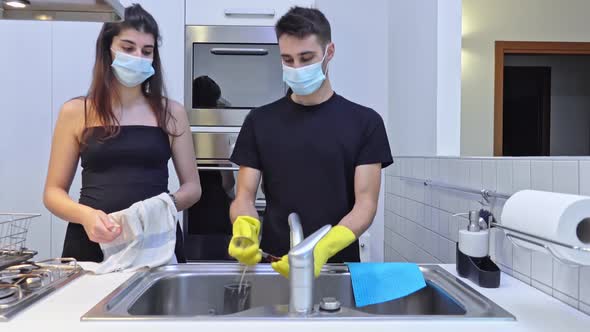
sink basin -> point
(197, 292)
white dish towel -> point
(147, 238)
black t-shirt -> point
(307, 156)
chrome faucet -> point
(301, 266)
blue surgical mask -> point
(305, 80)
(131, 70)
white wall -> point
(359, 70)
(25, 128)
(412, 75)
(487, 21)
(424, 73)
(448, 66)
(570, 100)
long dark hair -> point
(102, 91)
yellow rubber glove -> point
(244, 245)
(338, 238)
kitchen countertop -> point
(534, 311)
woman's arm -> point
(65, 151)
(185, 162)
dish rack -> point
(13, 237)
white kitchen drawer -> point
(239, 12)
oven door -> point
(207, 227)
(230, 70)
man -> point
(319, 154)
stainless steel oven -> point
(207, 226)
(229, 71)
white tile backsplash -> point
(454, 228)
(475, 174)
(418, 168)
(521, 277)
(505, 176)
(565, 177)
(585, 178)
(489, 174)
(521, 260)
(443, 224)
(565, 298)
(521, 179)
(584, 308)
(542, 267)
(419, 225)
(542, 175)
(566, 279)
(585, 284)
(542, 287)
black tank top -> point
(117, 172)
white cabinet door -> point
(239, 12)
(25, 128)
(73, 52)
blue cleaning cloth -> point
(381, 282)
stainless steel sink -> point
(196, 292)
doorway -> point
(542, 99)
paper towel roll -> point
(560, 217)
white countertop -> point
(534, 311)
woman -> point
(124, 132)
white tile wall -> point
(521, 175)
(542, 175)
(566, 279)
(565, 177)
(585, 178)
(585, 285)
(420, 228)
(489, 175)
(566, 299)
(542, 268)
(504, 176)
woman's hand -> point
(99, 226)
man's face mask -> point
(305, 80)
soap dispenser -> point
(473, 260)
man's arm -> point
(367, 182)
(243, 205)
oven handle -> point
(239, 51)
(218, 168)
(249, 12)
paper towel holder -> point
(562, 260)
(487, 194)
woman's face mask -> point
(131, 70)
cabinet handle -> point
(249, 12)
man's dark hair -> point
(302, 22)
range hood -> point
(62, 10)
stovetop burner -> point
(32, 280)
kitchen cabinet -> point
(239, 12)
(25, 103)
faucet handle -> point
(305, 248)
(296, 229)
